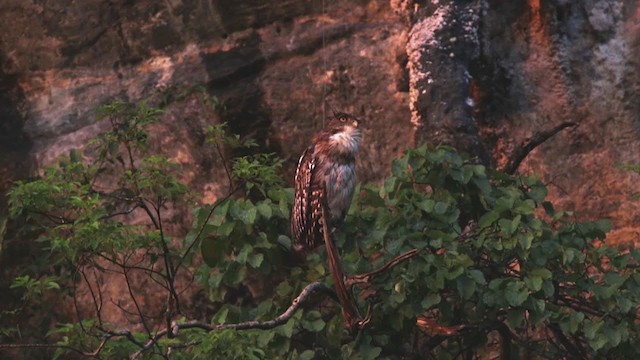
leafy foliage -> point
(490, 263)
(496, 261)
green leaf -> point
(313, 322)
(538, 313)
(427, 205)
(212, 250)
(514, 224)
(286, 330)
(440, 208)
(572, 324)
(226, 228)
(614, 336)
(466, 287)
(307, 355)
(234, 273)
(255, 260)
(516, 293)
(221, 315)
(264, 208)
(477, 276)
(533, 282)
(548, 288)
(283, 206)
(525, 207)
(591, 328)
(488, 219)
(249, 216)
(243, 255)
(284, 241)
(399, 166)
(515, 318)
(390, 185)
(542, 273)
(369, 352)
(525, 240)
(284, 289)
(596, 343)
(430, 300)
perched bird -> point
(326, 173)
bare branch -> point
(304, 297)
(96, 303)
(166, 255)
(366, 278)
(539, 138)
(124, 212)
(151, 271)
(135, 302)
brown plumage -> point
(329, 160)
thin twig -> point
(225, 165)
(96, 304)
(125, 212)
(166, 255)
(135, 302)
(202, 226)
(130, 267)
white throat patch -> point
(347, 141)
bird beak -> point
(355, 123)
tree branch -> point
(305, 296)
(366, 278)
(300, 300)
(520, 153)
(135, 302)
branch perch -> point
(304, 297)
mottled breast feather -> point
(326, 174)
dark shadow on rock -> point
(15, 164)
(238, 15)
(234, 79)
(15, 145)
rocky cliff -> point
(483, 75)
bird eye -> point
(343, 119)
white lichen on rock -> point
(421, 39)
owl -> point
(326, 174)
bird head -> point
(343, 132)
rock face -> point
(580, 63)
(487, 75)
(271, 67)
(483, 75)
